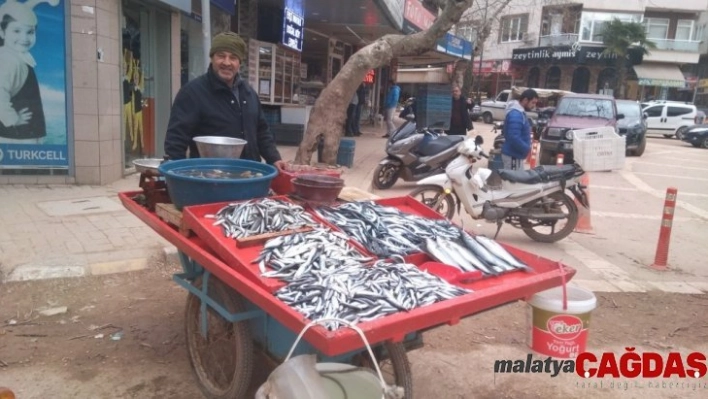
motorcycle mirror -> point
(479, 140)
(410, 117)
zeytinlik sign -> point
(33, 132)
(575, 54)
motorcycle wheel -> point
(560, 201)
(385, 176)
(432, 195)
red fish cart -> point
(229, 310)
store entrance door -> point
(146, 93)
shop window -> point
(513, 28)
(553, 78)
(592, 23)
(657, 28)
(534, 75)
(581, 80)
(606, 79)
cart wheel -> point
(395, 367)
(222, 362)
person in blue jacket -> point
(517, 130)
(394, 92)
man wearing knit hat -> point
(220, 103)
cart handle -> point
(353, 327)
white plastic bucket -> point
(556, 332)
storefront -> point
(578, 68)
(659, 81)
(105, 76)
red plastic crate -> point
(282, 184)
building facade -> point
(558, 45)
(94, 91)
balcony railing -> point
(677, 45)
(563, 39)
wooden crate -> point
(170, 214)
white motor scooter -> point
(532, 200)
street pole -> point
(206, 30)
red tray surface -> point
(238, 258)
(489, 293)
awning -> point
(659, 75)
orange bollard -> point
(662, 247)
(559, 159)
(584, 221)
(6, 393)
(533, 154)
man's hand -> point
(280, 165)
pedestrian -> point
(22, 118)
(351, 115)
(460, 121)
(517, 130)
(394, 92)
(361, 98)
(221, 103)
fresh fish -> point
(475, 263)
(483, 254)
(360, 293)
(457, 259)
(497, 250)
(434, 250)
(261, 216)
(385, 230)
(292, 256)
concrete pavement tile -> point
(25, 227)
(129, 220)
(74, 246)
(619, 278)
(91, 247)
(123, 254)
(5, 235)
(677, 287)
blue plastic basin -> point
(188, 190)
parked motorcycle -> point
(532, 200)
(414, 154)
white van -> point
(669, 118)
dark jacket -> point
(517, 132)
(206, 107)
(462, 117)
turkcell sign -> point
(33, 155)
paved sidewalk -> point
(53, 231)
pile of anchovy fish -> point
(293, 256)
(360, 293)
(260, 216)
(469, 253)
(385, 230)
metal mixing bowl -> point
(144, 165)
(219, 147)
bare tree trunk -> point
(329, 113)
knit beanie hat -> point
(231, 42)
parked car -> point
(633, 126)
(700, 117)
(669, 118)
(475, 113)
(697, 135)
(495, 110)
(575, 111)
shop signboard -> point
(491, 66)
(33, 114)
(416, 18)
(455, 46)
(293, 24)
(703, 84)
(575, 54)
(394, 11)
